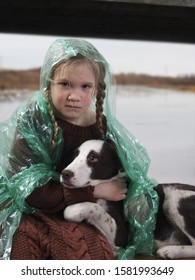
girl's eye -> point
(87, 87)
(64, 84)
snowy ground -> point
(162, 120)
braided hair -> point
(56, 127)
(100, 95)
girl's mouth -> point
(73, 107)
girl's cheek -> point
(60, 99)
(87, 99)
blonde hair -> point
(99, 72)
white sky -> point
(28, 51)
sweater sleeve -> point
(53, 197)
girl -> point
(73, 105)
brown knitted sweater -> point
(45, 234)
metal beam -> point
(100, 19)
(182, 3)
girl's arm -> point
(53, 197)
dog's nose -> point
(67, 175)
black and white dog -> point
(96, 161)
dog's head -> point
(95, 161)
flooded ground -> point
(162, 120)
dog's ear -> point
(121, 170)
(110, 142)
(112, 145)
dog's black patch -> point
(186, 209)
(163, 227)
(115, 209)
(106, 159)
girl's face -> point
(72, 91)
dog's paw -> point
(76, 212)
(168, 252)
(72, 213)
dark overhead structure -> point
(171, 21)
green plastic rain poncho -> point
(36, 169)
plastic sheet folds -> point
(32, 127)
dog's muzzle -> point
(65, 178)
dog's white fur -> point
(95, 215)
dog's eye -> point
(92, 157)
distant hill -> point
(185, 83)
(19, 79)
(29, 79)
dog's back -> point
(175, 225)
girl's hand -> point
(114, 190)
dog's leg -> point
(176, 252)
(178, 208)
(95, 215)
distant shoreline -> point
(29, 79)
(183, 83)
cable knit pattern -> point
(31, 240)
(45, 235)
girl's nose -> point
(74, 96)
